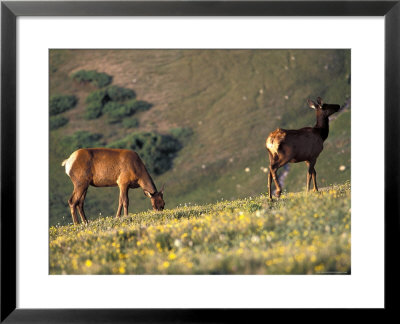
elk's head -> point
(322, 108)
(157, 200)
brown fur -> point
(102, 167)
(300, 145)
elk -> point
(298, 145)
(104, 167)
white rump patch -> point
(272, 146)
(70, 162)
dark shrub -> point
(57, 122)
(98, 96)
(101, 80)
(80, 76)
(83, 76)
(117, 111)
(113, 107)
(79, 140)
(181, 133)
(98, 79)
(157, 151)
(60, 103)
(120, 94)
(138, 105)
(169, 144)
(130, 122)
(93, 110)
(114, 101)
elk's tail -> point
(68, 163)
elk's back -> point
(103, 167)
(295, 145)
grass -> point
(297, 234)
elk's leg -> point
(72, 208)
(308, 177)
(314, 177)
(311, 174)
(74, 201)
(123, 199)
(274, 165)
(125, 202)
(273, 169)
(80, 207)
(119, 206)
(269, 184)
(271, 159)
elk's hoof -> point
(277, 194)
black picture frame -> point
(9, 13)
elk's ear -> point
(311, 104)
(319, 101)
(162, 189)
(148, 194)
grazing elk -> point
(305, 144)
(103, 167)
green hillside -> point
(219, 104)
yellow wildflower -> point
(269, 263)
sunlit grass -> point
(297, 234)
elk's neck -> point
(146, 183)
(323, 126)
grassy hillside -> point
(230, 100)
(297, 234)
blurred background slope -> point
(220, 105)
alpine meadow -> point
(199, 120)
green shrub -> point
(98, 96)
(169, 144)
(57, 122)
(117, 111)
(79, 140)
(98, 79)
(157, 151)
(93, 110)
(116, 102)
(120, 94)
(60, 103)
(130, 123)
(138, 105)
(102, 80)
(82, 76)
(181, 133)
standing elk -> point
(305, 144)
(103, 167)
